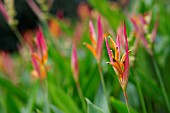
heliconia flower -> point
(39, 55)
(74, 62)
(121, 66)
(97, 43)
(141, 24)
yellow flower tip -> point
(92, 49)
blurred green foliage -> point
(58, 93)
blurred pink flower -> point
(96, 47)
(141, 24)
(3, 11)
(74, 62)
(39, 55)
(121, 66)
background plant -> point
(21, 92)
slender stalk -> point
(158, 73)
(140, 93)
(18, 34)
(137, 78)
(103, 84)
(126, 100)
(46, 103)
(80, 93)
(102, 80)
(44, 85)
(46, 110)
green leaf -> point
(55, 109)
(120, 106)
(91, 108)
(61, 99)
(11, 89)
(31, 100)
(101, 100)
(113, 16)
(12, 103)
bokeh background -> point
(64, 22)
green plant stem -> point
(140, 93)
(102, 80)
(44, 85)
(158, 73)
(103, 84)
(80, 93)
(18, 35)
(137, 79)
(126, 100)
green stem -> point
(102, 80)
(126, 100)
(103, 84)
(18, 34)
(140, 93)
(44, 85)
(80, 93)
(158, 73)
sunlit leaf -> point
(91, 108)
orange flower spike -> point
(96, 47)
(121, 67)
(113, 43)
(91, 49)
(124, 56)
(116, 66)
(41, 44)
(116, 54)
(39, 55)
(37, 58)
